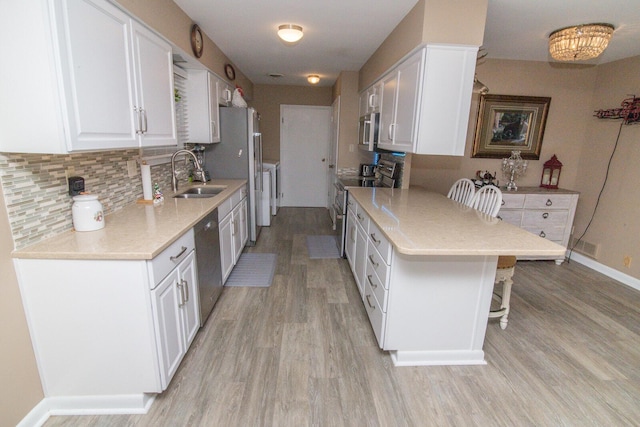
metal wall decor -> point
(629, 111)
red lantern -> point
(551, 173)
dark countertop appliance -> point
(367, 170)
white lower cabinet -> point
(233, 230)
(108, 328)
(176, 316)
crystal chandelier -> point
(580, 42)
(512, 168)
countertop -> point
(421, 222)
(136, 232)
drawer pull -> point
(375, 264)
(549, 202)
(360, 217)
(542, 234)
(176, 257)
(369, 302)
(373, 285)
(545, 215)
(502, 203)
(373, 237)
(499, 217)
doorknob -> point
(332, 166)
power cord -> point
(606, 177)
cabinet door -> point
(236, 226)
(360, 257)
(350, 239)
(226, 246)
(406, 101)
(98, 75)
(190, 308)
(225, 93)
(387, 110)
(244, 226)
(154, 87)
(214, 110)
(166, 303)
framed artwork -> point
(506, 123)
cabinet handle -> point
(360, 217)
(185, 285)
(143, 113)
(373, 285)
(391, 131)
(181, 289)
(545, 215)
(176, 257)
(213, 128)
(373, 237)
(502, 203)
(369, 302)
(499, 217)
(353, 233)
(549, 202)
(375, 264)
(372, 102)
(136, 110)
(542, 234)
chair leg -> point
(506, 298)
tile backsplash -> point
(36, 193)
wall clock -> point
(197, 41)
(229, 71)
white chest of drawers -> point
(544, 212)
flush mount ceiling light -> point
(580, 42)
(290, 33)
(313, 79)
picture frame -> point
(506, 123)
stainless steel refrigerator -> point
(238, 155)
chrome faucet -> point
(198, 173)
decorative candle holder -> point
(512, 168)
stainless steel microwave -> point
(368, 131)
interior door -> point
(305, 133)
(332, 157)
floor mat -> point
(320, 247)
(253, 269)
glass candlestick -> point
(512, 168)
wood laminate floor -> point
(302, 353)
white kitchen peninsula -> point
(429, 271)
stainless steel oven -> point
(340, 212)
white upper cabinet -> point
(86, 77)
(204, 114)
(426, 101)
(370, 99)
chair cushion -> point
(506, 261)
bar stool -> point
(504, 275)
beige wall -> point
(616, 225)
(430, 21)
(20, 390)
(570, 89)
(582, 142)
(267, 100)
(349, 156)
(166, 18)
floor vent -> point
(585, 248)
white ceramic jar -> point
(87, 213)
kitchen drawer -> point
(547, 201)
(225, 208)
(352, 205)
(380, 242)
(545, 218)
(377, 317)
(236, 198)
(377, 263)
(362, 219)
(550, 233)
(169, 258)
(512, 217)
(512, 201)
(378, 287)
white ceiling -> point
(342, 34)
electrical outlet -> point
(352, 148)
(627, 261)
(132, 169)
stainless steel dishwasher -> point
(207, 235)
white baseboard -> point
(87, 405)
(625, 279)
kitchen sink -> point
(200, 192)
